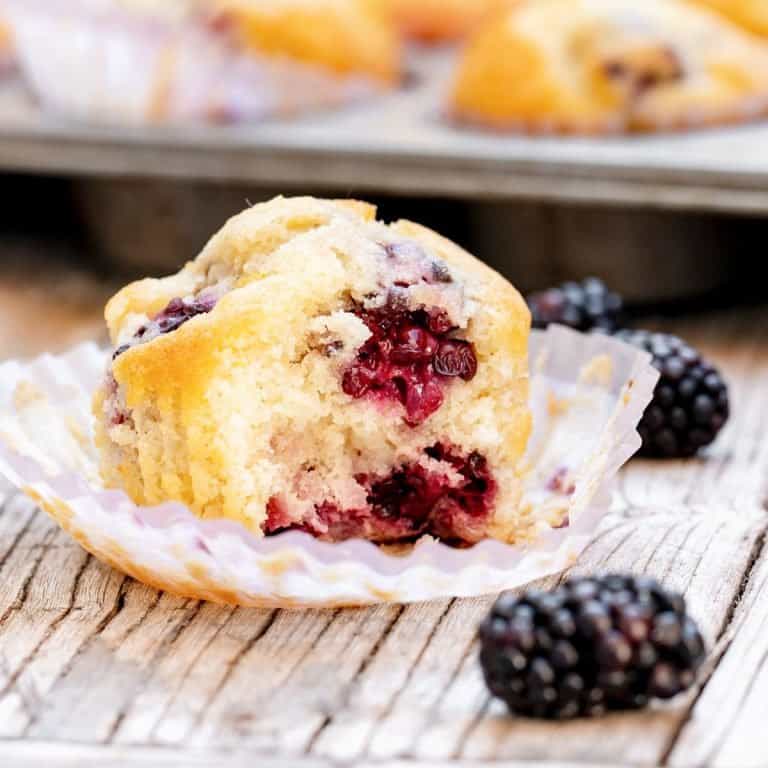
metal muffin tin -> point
(400, 144)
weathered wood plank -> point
(703, 558)
(347, 734)
(259, 672)
(25, 536)
(170, 674)
(26, 629)
(36, 754)
(441, 662)
(88, 702)
(281, 715)
(209, 674)
(46, 754)
(727, 726)
(95, 599)
(87, 656)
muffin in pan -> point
(142, 61)
(751, 14)
(316, 369)
(435, 21)
(345, 37)
(607, 66)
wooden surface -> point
(98, 670)
(401, 144)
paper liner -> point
(588, 394)
(89, 59)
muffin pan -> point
(401, 144)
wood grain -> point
(726, 728)
(45, 754)
(96, 669)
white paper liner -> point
(588, 394)
(90, 59)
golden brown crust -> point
(258, 230)
(347, 37)
(607, 66)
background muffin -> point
(597, 66)
(346, 37)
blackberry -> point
(582, 306)
(591, 645)
(690, 404)
(178, 312)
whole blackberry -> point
(591, 645)
(582, 306)
(690, 403)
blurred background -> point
(130, 130)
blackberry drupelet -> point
(582, 306)
(591, 645)
(690, 404)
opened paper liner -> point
(588, 394)
(90, 59)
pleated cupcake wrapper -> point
(588, 394)
(87, 58)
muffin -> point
(314, 369)
(345, 37)
(607, 66)
(440, 20)
(751, 14)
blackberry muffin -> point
(316, 369)
(608, 66)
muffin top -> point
(343, 36)
(591, 66)
(347, 37)
(304, 257)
